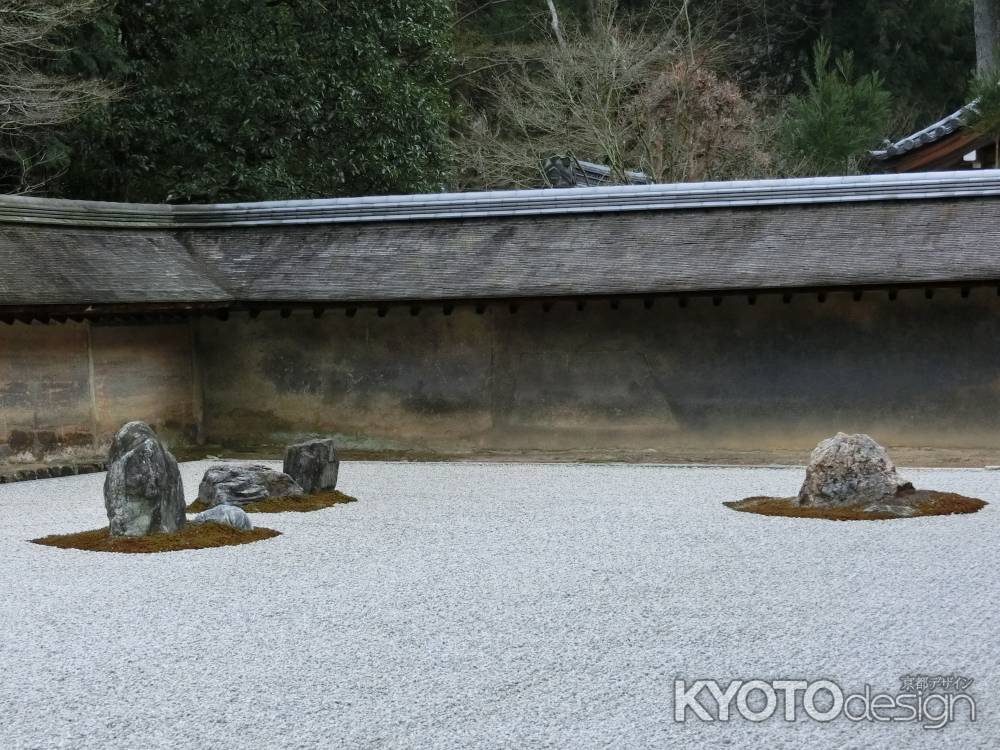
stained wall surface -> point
(913, 371)
(734, 376)
(73, 384)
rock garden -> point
(852, 478)
(307, 482)
(361, 623)
(147, 512)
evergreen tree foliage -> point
(923, 50)
(229, 100)
(985, 88)
(827, 129)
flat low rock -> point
(227, 515)
(900, 511)
(239, 485)
(850, 470)
(143, 493)
(313, 464)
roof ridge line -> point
(562, 201)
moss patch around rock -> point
(300, 504)
(924, 502)
(192, 536)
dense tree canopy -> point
(222, 100)
(924, 50)
(257, 99)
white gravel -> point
(494, 606)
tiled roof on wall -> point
(769, 234)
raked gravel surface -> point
(492, 606)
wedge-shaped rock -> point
(143, 493)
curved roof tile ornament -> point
(930, 134)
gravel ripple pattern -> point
(492, 606)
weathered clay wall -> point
(147, 373)
(73, 384)
(44, 386)
(912, 372)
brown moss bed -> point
(300, 504)
(191, 536)
(924, 502)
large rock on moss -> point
(313, 464)
(850, 470)
(239, 485)
(143, 493)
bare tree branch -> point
(33, 102)
(555, 23)
(620, 95)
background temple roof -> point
(932, 133)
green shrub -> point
(228, 100)
(985, 90)
(827, 129)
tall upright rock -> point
(313, 464)
(143, 493)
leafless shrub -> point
(33, 102)
(620, 94)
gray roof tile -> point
(895, 229)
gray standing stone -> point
(238, 485)
(227, 515)
(143, 493)
(313, 464)
(850, 470)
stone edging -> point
(50, 472)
